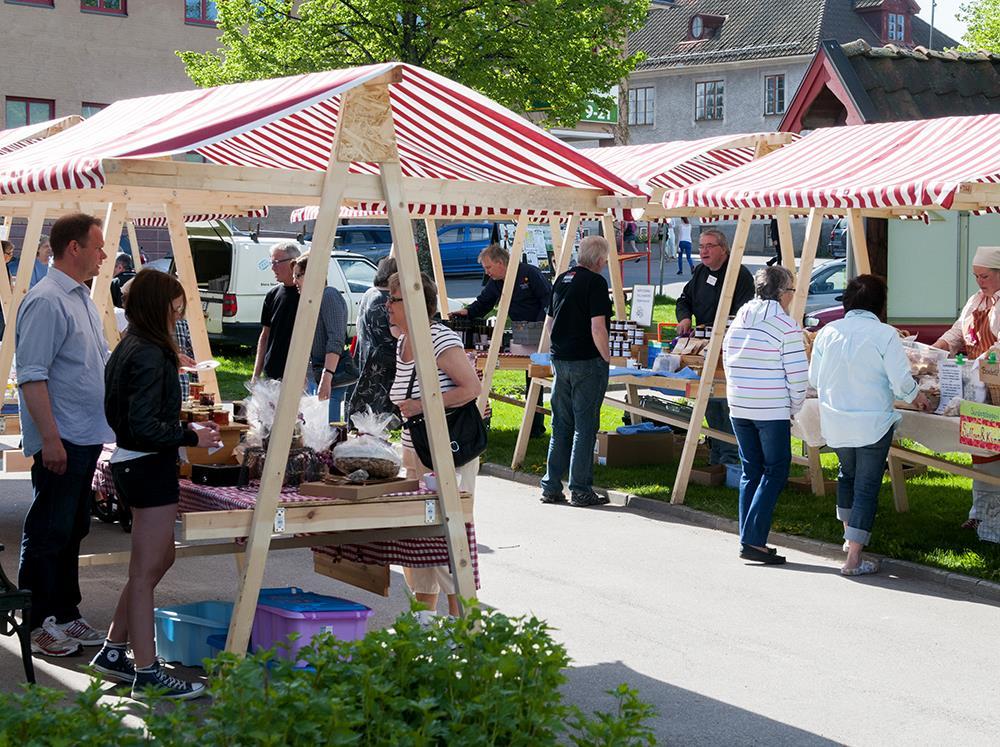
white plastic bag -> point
(370, 450)
(666, 363)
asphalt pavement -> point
(728, 652)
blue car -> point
(460, 246)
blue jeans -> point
(577, 394)
(717, 415)
(57, 521)
(858, 483)
(766, 454)
(684, 247)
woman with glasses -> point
(766, 376)
(142, 403)
(459, 385)
(328, 342)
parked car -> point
(373, 242)
(826, 285)
(838, 239)
(461, 244)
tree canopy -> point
(983, 19)
(564, 54)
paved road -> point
(731, 654)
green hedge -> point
(483, 680)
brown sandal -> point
(970, 524)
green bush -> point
(483, 680)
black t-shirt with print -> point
(578, 295)
(278, 314)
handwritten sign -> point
(979, 425)
(950, 379)
(642, 305)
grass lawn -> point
(929, 533)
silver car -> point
(826, 285)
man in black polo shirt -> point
(277, 317)
(700, 297)
(579, 319)
(528, 303)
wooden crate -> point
(357, 492)
(373, 578)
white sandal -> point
(864, 568)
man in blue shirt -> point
(61, 352)
(41, 265)
(528, 303)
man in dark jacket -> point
(700, 298)
(528, 303)
(124, 271)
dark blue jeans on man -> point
(717, 415)
(858, 483)
(58, 520)
(577, 394)
(765, 449)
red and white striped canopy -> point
(896, 164)
(19, 137)
(160, 221)
(443, 130)
(673, 165)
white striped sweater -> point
(765, 361)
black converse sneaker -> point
(157, 679)
(113, 663)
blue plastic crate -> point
(182, 632)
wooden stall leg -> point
(509, 281)
(815, 471)
(195, 315)
(859, 242)
(618, 294)
(898, 480)
(712, 357)
(29, 250)
(813, 230)
(437, 265)
(430, 390)
(100, 289)
(133, 242)
(562, 258)
(785, 239)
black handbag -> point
(465, 427)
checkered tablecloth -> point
(419, 552)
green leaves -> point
(983, 19)
(565, 53)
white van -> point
(234, 274)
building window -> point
(897, 27)
(89, 109)
(22, 111)
(774, 94)
(200, 12)
(113, 7)
(641, 105)
(708, 100)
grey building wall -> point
(743, 107)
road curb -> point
(986, 590)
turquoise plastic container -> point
(182, 632)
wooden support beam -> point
(813, 229)
(562, 259)
(100, 288)
(133, 242)
(712, 355)
(785, 240)
(815, 471)
(29, 250)
(425, 364)
(195, 315)
(509, 283)
(859, 243)
(434, 246)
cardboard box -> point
(14, 460)
(10, 425)
(616, 450)
(231, 435)
(711, 474)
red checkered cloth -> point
(418, 552)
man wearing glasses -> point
(277, 317)
(700, 299)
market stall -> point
(899, 169)
(385, 132)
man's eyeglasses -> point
(276, 262)
(706, 246)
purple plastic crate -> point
(283, 612)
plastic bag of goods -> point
(370, 450)
(666, 363)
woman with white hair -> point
(974, 332)
(766, 377)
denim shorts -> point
(147, 482)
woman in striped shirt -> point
(459, 385)
(766, 378)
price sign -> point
(642, 305)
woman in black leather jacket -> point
(142, 403)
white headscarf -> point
(987, 256)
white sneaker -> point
(83, 632)
(50, 640)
